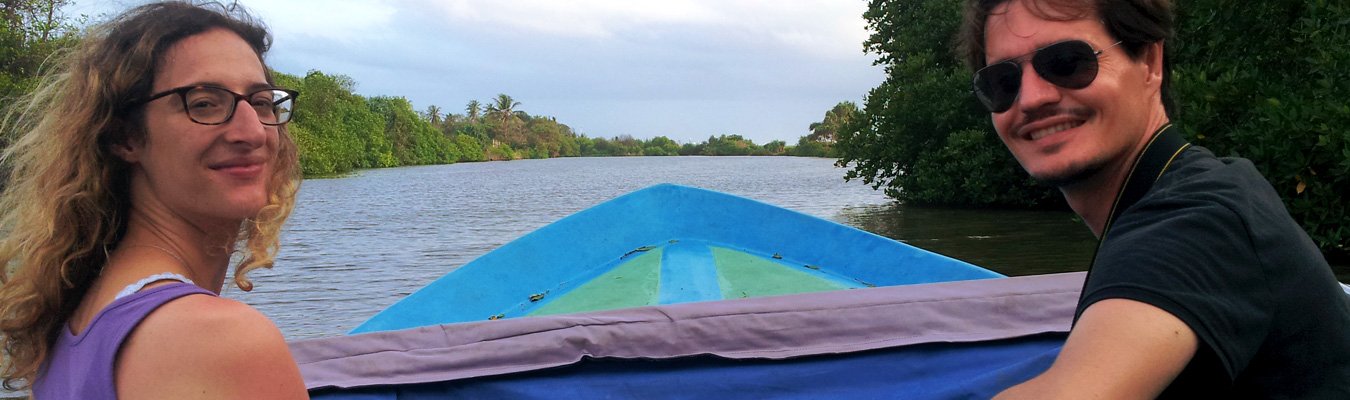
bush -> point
(1266, 81)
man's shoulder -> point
(1212, 244)
(1202, 192)
(1200, 175)
(1206, 195)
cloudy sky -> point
(685, 69)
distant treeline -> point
(339, 131)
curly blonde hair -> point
(66, 198)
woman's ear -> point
(128, 150)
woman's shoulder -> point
(195, 319)
(208, 347)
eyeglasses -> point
(212, 105)
(1069, 64)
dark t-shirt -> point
(1212, 244)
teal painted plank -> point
(745, 275)
(631, 284)
(688, 274)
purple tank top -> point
(81, 366)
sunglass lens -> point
(1072, 64)
(996, 85)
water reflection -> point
(1011, 242)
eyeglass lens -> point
(1071, 65)
(211, 105)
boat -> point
(679, 292)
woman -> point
(135, 171)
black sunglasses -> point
(1069, 64)
(213, 105)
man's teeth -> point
(1043, 132)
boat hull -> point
(667, 244)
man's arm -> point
(1120, 349)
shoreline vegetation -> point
(918, 136)
(339, 131)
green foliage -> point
(547, 136)
(472, 129)
(338, 131)
(619, 146)
(1264, 81)
(844, 120)
(692, 149)
(840, 118)
(501, 151)
(775, 148)
(729, 145)
(1267, 82)
(31, 31)
(469, 148)
(335, 128)
(807, 147)
(414, 140)
(912, 125)
(661, 146)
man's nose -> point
(1036, 91)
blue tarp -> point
(930, 371)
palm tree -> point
(434, 114)
(503, 107)
(473, 110)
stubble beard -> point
(1074, 175)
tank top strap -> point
(164, 276)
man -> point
(1202, 284)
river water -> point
(357, 244)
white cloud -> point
(339, 21)
(829, 28)
(575, 18)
